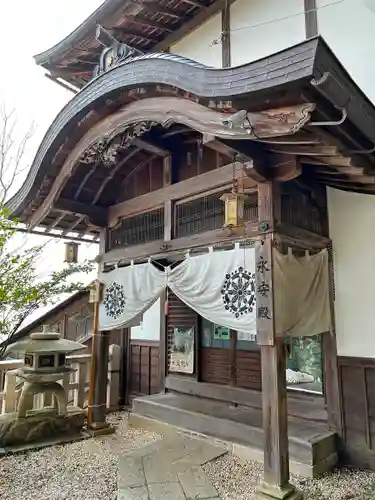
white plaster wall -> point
(352, 229)
(198, 45)
(262, 27)
(149, 329)
(348, 28)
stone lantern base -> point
(40, 426)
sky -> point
(26, 31)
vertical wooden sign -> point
(274, 394)
(264, 291)
(263, 266)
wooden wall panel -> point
(144, 370)
(215, 366)
(357, 392)
(248, 370)
(354, 404)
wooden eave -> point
(335, 151)
(47, 316)
(147, 26)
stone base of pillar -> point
(270, 492)
(100, 429)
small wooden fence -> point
(75, 383)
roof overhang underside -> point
(155, 102)
(149, 26)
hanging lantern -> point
(71, 252)
(234, 209)
(235, 200)
(96, 289)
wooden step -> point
(312, 448)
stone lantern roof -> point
(46, 342)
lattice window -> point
(206, 214)
(299, 210)
(139, 229)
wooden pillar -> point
(225, 31)
(99, 409)
(97, 404)
(125, 366)
(163, 341)
(275, 483)
(331, 371)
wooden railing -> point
(75, 383)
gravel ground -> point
(236, 480)
(84, 470)
(87, 470)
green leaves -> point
(22, 290)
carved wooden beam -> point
(167, 170)
(196, 3)
(350, 179)
(335, 161)
(124, 33)
(302, 237)
(257, 171)
(259, 164)
(55, 223)
(340, 171)
(302, 137)
(306, 150)
(199, 184)
(225, 149)
(150, 147)
(166, 111)
(338, 162)
(277, 167)
(285, 167)
(149, 24)
(154, 8)
(97, 215)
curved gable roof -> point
(309, 66)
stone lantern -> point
(44, 365)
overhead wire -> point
(276, 20)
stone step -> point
(169, 469)
(312, 448)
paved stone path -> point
(169, 469)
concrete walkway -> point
(169, 469)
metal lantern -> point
(234, 208)
(71, 252)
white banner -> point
(220, 286)
(128, 293)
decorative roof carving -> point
(113, 53)
(107, 149)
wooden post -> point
(125, 367)
(275, 484)
(97, 401)
(113, 388)
(100, 356)
(331, 372)
(163, 340)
